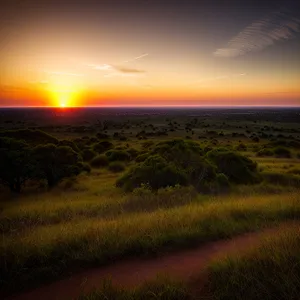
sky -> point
(149, 52)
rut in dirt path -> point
(184, 264)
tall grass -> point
(271, 271)
(159, 289)
(47, 252)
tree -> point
(55, 163)
(16, 163)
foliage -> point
(103, 146)
(99, 161)
(154, 171)
(32, 137)
(265, 152)
(55, 163)
(118, 155)
(88, 154)
(238, 168)
(16, 163)
(116, 166)
(282, 152)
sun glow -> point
(64, 96)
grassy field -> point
(268, 271)
(86, 220)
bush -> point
(265, 152)
(155, 171)
(222, 180)
(281, 179)
(17, 165)
(116, 166)
(99, 161)
(282, 152)
(102, 136)
(103, 146)
(88, 154)
(32, 137)
(86, 168)
(295, 171)
(238, 168)
(55, 163)
(118, 155)
(142, 157)
(241, 147)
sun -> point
(64, 96)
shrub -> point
(142, 157)
(133, 153)
(69, 144)
(102, 136)
(154, 171)
(86, 167)
(88, 154)
(16, 163)
(295, 171)
(118, 155)
(32, 137)
(241, 147)
(238, 168)
(282, 152)
(103, 146)
(55, 163)
(281, 179)
(99, 161)
(116, 166)
(222, 180)
(265, 152)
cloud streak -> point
(204, 80)
(63, 73)
(136, 58)
(277, 26)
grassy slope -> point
(271, 271)
(47, 251)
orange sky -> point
(77, 58)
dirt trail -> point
(182, 265)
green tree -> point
(55, 163)
(16, 163)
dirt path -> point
(132, 272)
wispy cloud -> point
(128, 70)
(115, 70)
(205, 80)
(63, 73)
(136, 58)
(277, 26)
(103, 67)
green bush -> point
(238, 168)
(142, 157)
(241, 147)
(155, 171)
(222, 180)
(282, 152)
(281, 179)
(103, 146)
(116, 166)
(118, 155)
(265, 152)
(99, 161)
(88, 154)
(86, 167)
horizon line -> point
(152, 106)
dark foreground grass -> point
(160, 289)
(269, 272)
(48, 252)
